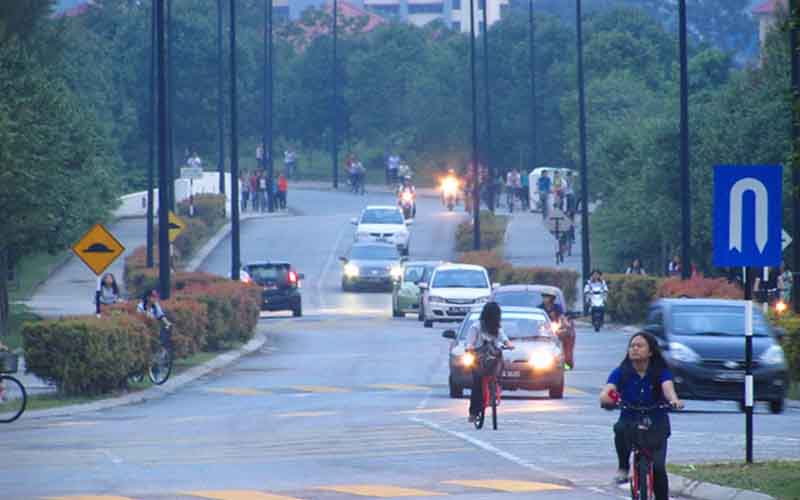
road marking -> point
(319, 389)
(72, 424)
(236, 495)
(509, 486)
(399, 387)
(238, 391)
(307, 414)
(379, 491)
(424, 410)
(331, 257)
(87, 497)
(574, 392)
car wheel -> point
(298, 310)
(421, 312)
(345, 286)
(776, 406)
(396, 313)
(456, 392)
(557, 391)
(428, 323)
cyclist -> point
(642, 379)
(107, 292)
(544, 185)
(487, 330)
(555, 312)
(151, 307)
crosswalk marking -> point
(319, 389)
(399, 387)
(509, 486)
(88, 497)
(238, 391)
(237, 495)
(379, 491)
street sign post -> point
(98, 248)
(747, 232)
(176, 226)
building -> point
(766, 13)
(454, 13)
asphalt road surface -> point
(348, 403)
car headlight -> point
(773, 356)
(482, 300)
(434, 298)
(682, 353)
(467, 359)
(542, 359)
(403, 235)
(351, 270)
(360, 235)
(396, 272)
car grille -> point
(460, 301)
(719, 364)
(375, 271)
(382, 235)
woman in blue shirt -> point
(642, 379)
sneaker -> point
(621, 477)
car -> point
(406, 294)
(704, 345)
(531, 296)
(280, 285)
(535, 364)
(452, 291)
(383, 224)
(371, 264)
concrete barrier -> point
(135, 204)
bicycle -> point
(13, 398)
(511, 199)
(643, 440)
(160, 367)
(491, 394)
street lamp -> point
(532, 69)
(585, 250)
(268, 102)
(334, 99)
(163, 195)
(686, 220)
(151, 130)
(235, 258)
(487, 105)
(220, 103)
(476, 180)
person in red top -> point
(256, 201)
(283, 187)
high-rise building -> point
(767, 13)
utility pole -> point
(476, 179)
(268, 103)
(171, 104)
(235, 257)
(220, 103)
(163, 196)
(487, 106)
(151, 139)
(686, 215)
(794, 5)
(335, 98)
(532, 69)
(585, 249)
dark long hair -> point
(657, 362)
(114, 285)
(490, 319)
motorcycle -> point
(597, 304)
(408, 204)
(565, 332)
(449, 190)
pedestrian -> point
(674, 267)
(569, 194)
(283, 188)
(764, 290)
(254, 190)
(195, 161)
(636, 268)
(107, 292)
(262, 190)
(290, 162)
(525, 190)
(543, 186)
(260, 156)
(785, 282)
(244, 181)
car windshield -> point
(271, 272)
(526, 298)
(382, 216)
(517, 326)
(414, 274)
(715, 320)
(374, 252)
(460, 278)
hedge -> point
(629, 296)
(491, 260)
(493, 232)
(210, 208)
(791, 342)
(232, 310)
(88, 355)
(698, 287)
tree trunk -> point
(4, 309)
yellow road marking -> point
(400, 387)
(319, 388)
(307, 414)
(237, 495)
(573, 391)
(238, 391)
(378, 490)
(88, 497)
(509, 486)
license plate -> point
(511, 374)
(459, 310)
(737, 376)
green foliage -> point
(791, 342)
(629, 296)
(565, 279)
(492, 229)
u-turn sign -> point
(747, 215)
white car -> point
(453, 290)
(385, 224)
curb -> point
(156, 392)
(689, 488)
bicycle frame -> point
(643, 457)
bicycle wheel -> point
(644, 483)
(479, 418)
(161, 366)
(13, 399)
(493, 399)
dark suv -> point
(280, 285)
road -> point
(348, 403)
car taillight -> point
(292, 277)
(246, 279)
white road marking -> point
(326, 268)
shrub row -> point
(791, 342)
(493, 232)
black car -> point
(280, 285)
(704, 344)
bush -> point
(88, 355)
(565, 279)
(194, 236)
(629, 296)
(791, 342)
(488, 259)
(700, 287)
(210, 208)
(493, 232)
(183, 280)
(233, 310)
(190, 320)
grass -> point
(794, 391)
(31, 272)
(780, 479)
(19, 314)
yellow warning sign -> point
(98, 249)
(176, 226)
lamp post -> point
(585, 249)
(171, 105)
(151, 131)
(220, 103)
(163, 196)
(476, 179)
(686, 219)
(532, 69)
(235, 258)
(487, 107)
(794, 5)
(268, 102)
(334, 100)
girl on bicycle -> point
(107, 292)
(486, 330)
(642, 379)
(151, 307)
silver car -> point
(376, 265)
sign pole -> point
(748, 368)
(794, 5)
(163, 158)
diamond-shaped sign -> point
(98, 249)
(176, 226)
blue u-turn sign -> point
(747, 215)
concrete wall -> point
(135, 204)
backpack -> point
(490, 359)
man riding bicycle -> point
(565, 333)
(642, 379)
(486, 331)
(544, 185)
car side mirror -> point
(449, 334)
(409, 222)
(354, 221)
(423, 286)
(344, 260)
(495, 285)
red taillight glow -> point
(292, 277)
(246, 279)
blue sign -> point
(747, 215)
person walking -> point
(283, 188)
(254, 190)
(636, 268)
(244, 182)
(290, 161)
(262, 191)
